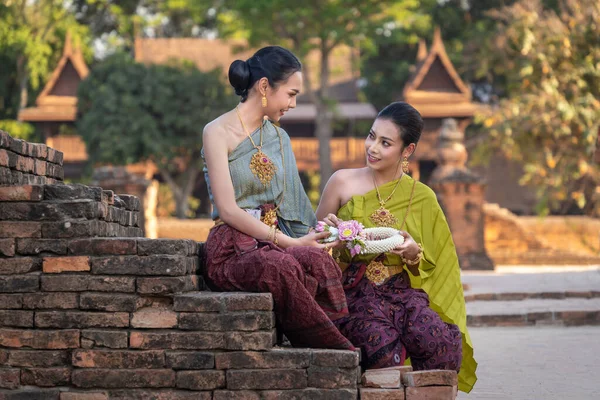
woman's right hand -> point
(332, 220)
(312, 239)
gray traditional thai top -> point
(295, 214)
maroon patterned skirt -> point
(393, 321)
(305, 283)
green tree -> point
(129, 112)
(550, 116)
(31, 32)
(321, 26)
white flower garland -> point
(381, 240)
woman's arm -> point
(216, 157)
(330, 198)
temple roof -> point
(435, 88)
(58, 100)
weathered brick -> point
(257, 379)
(38, 358)
(10, 378)
(108, 302)
(238, 321)
(176, 340)
(164, 394)
(74, 229)
(180, 247)
(41, 246)
(126, 359)
(200, 380)
(83, 283)
(56, 265)
(309, 393)
(39, 339)
(103, 246)
(72, 192)
(381, 394)
(55, 156)
(332, 377)
(25, 164)
(49, 211)
(9, 229)
(21, 193)
(136, 265)
(31, 394)
(430, 378)
(167, 285)
(7, 247)
(236, 395)
(54, 300)
(250, 340)
(154, 318)
(40, 151)
(386, 379)
(276, 358)
(11, 301)
(198, 302)
(5, 140)
(83, 396)
(190, 360)
(19, 265)
(247, 301)
(19, 283)
(16, 318)
(578, 318)
(335, 358)
(102, 338)
(80, 319)
(123, 378)
(430, 393)
(46, 377)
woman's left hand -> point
(409, 249)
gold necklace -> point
(261, 166)
(382, 216)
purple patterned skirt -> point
(393, 321)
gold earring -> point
(264, 101)
(405, 165)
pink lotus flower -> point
(349, 230)
(321, 226)
(356, 249)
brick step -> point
(565, 312)
(402, 383)
(542, 257)
(512, 296)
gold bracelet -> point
(275, 240)
(271, 234)
(416, 260)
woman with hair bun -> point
(261, 240)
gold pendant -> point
(376, 272)
(270, 217)
(262, 167)
(383, 217)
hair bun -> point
(239, 77)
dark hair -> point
(406, 118)
(273, 62)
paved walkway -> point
(536, 363)
(561, 280)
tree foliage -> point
(550, 117)
(129, 112)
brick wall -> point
(23, 163)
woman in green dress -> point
(407, 303)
